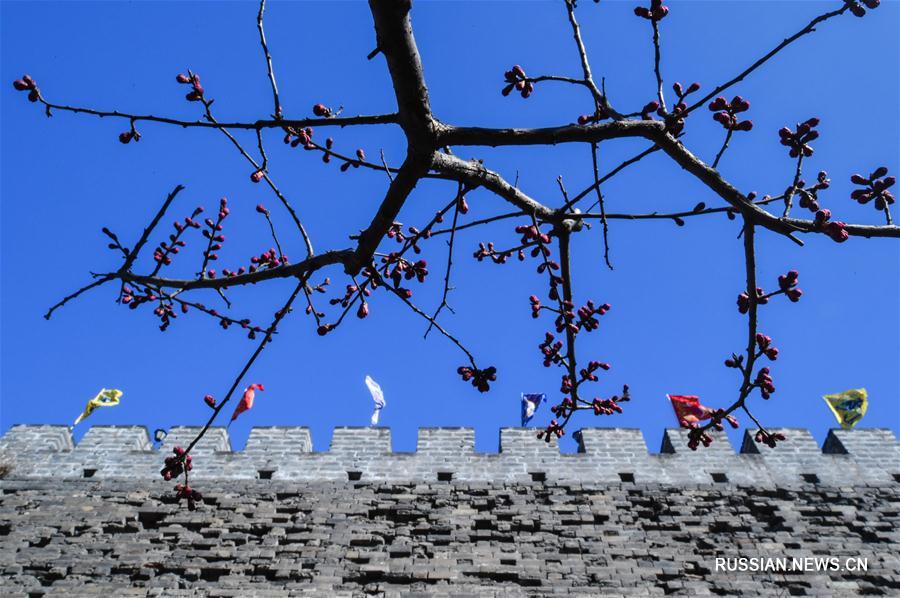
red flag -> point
(690, 412)
(246, 401)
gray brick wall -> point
(612, 519)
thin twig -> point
(83, 289)
(810, 27)
(659, 81)
(387, 169)
(284, 201)
(602, 207)
(449, 264)
(724, 147)
(265, 48)
(789, 196)
(601, 103)
(279, 315)
(596, 184)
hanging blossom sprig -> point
(875, 187)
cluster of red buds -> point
(351, 291)
(768, 438)
(833, 228)
(516, 79)
(535, 306)
(480, 378)
(656, 12)
(397, 269)
(719, 415)
(788, 285)
(165, 312)
(267, 259)
(162, 255)
(765, 346)
(498, 257)
(857, 9)
(798, 140)
(765, 383)
(726, 113)
(184, 492)
(586, 319)
(588, 372)
(565, 318)
(675, 119)
(322, 110)
(133, 299)
(743, 300)
(213, 232)
(696, 437)
(297, 137)
(876, 187)
(565, 408)
(605, 406)
(611, 405)
(26, 83)
(176, 464)
(554, 428)
(395, 231)
(210, 401)
(809, 196)
(196, 92)
(551, 350)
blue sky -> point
(673, 289)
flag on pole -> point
(687, 409)
(530, 404)
(107, 397)
(246, 401)
(690, 412)
(849, 406)
(377, 397)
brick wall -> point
(612, 519)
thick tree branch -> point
(396, 42)
(474, 174)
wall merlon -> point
(38, 438)
(361, 441)
(278, 440)
(215, 440)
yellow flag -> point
(107, 397)
(849, 406)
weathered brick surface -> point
(493, 529)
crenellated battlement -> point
(605, 455)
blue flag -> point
(530, 404)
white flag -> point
(377, 396)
